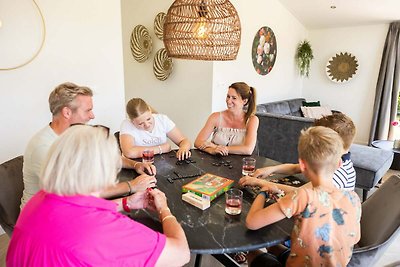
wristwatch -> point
(264, 193)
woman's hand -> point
(137, 200)
(145, 167)
(142, 182)
(156, 200)
(183, 153)
(205, 145)
(221, 150)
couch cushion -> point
(370, 164)
(295, 105)
(261, 108)
(283, 107)
(315, 112)
(311, 104)
(280, 107)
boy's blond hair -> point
(321, 148)
(341, 124)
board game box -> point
(208, 186)
(196, 200)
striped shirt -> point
(345, 176)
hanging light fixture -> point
(202, 30)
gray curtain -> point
(387, 88)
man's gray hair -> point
(64, 95)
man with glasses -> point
(72, 104)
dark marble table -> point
(211, 231)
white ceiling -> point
(318, 14)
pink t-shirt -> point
(55, 230)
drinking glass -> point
(233, 201)
(249, 166)
(148, 156)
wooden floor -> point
(3, 249)
(391, 258)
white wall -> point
(196, 88)
(83, 45)
(283, 82)
(356, 97)
(186, 95)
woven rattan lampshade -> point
(202, 30)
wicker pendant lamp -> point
(202, 30)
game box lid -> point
(209, 186)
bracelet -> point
(130, 188)
(125, 205)
(264, 193)
(167, 217)
(166, 209)
(134, 165)
(159, 147)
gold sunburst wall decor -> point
(341, 67)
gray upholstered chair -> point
(380, 223)
(116, 134)
(11, 187)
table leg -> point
(197, 262)
(365, 194)
(226, 260)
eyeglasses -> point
(106, 129)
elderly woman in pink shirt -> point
(68, 224)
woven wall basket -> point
(223, 36)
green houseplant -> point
(304, 55)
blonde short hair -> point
(321, 148)
(83, 160)
(64, 95)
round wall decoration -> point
(159, 25)
(162, 65)
(264, 49)
(141, 43)
(341, 67)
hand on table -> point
(273, 190)
(145, 167)
(221, 150)
(183, 153)
(206, 145)
(156, 200)
(263, 172)
(251, 181)
(142, 182)
(137, 200)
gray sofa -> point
(279, 130)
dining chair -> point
(12, 185)
(380, 223)
(116, 134)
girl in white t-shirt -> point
(147, 130)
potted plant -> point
(304, 55)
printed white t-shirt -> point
(162, 126)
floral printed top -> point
(327, 225)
